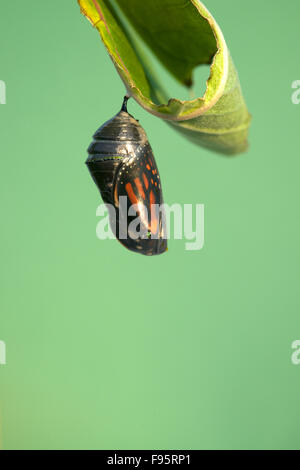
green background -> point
(110, 350)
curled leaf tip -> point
(182, 34)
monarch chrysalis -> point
(123, 167)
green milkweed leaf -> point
(182, 34)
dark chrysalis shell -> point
(121, 163)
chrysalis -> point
(123, 167)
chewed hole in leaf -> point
(188, 78)
(165, 86)
(200, 76)
(175, 56)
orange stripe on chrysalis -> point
(131, 195)
(146, 182)
(139, 187)
(116, 196)
(154, 219)
(152, 198)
